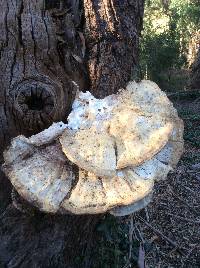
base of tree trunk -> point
(43, 240)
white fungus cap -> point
(119, 146)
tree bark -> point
(112, 31)
(195, 78)
(45, 52)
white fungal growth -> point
(48, 135)
(88, 111)
(120, 146)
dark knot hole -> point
(34, 103)
(35, 99)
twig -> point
(141, 257)
(147, 213)
(183, 93)
(184, 219)
(183, 201)
(188, 189)
(131, 236)
(187, 257)
(193, 171)
(197, 178)
(61, 5)
(195, 101)
(174, 93)
(139, 232)
(174, 244)
(131, 229)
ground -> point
(169, 227)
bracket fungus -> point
(105, 159)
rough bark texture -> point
(112, 32)
(42, 50)
(44, 241)
(35, 87)
(195, 79)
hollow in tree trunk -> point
(46, 50)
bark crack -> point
(12, 66)
(6, 24)
(48, 46)
(19, 19)
(34, 43)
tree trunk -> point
(195, 79)
(46, 50)
(112, 32)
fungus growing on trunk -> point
(106, 159)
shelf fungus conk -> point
(106, 159)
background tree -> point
(170, 42)
(195, 81)
(47, 48)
